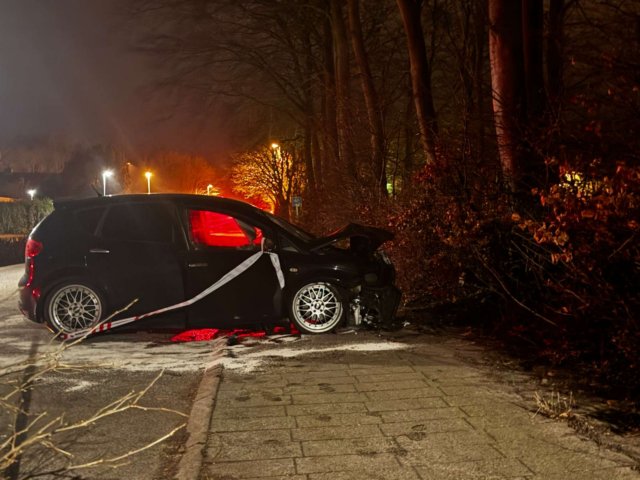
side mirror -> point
(269, 245)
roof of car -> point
(143, 197)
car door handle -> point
(197, 265)
(98, 250)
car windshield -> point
(292, 229)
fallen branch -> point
(42, 430)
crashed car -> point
(224, 263)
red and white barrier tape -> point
(223, 281)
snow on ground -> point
(247, 362)
(70, 384)
(130, 356)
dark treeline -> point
(497, 138)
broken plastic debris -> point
(207, 334)
(346, 331)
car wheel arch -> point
(340, 285)
(67, 276)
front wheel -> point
(73, 306)
(315, 308)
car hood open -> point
(375, 236)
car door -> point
(219, 242)
(138, 248)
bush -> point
(12, 249)
(563, 260)
(21, 217)
(581, 259)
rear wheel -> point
(315, 308)
(73, 306)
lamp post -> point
(148, 175)
(105, 175)
(276, 151)
(209, 187)
(31, 193)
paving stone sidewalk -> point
(411, 414)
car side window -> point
(139, 223)
(287, 246)
(89, 218)
(209, 229)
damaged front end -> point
(375, 301)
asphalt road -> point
(109, 367)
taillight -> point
(28, 284)
(32, 249)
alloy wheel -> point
(75, 307)
(316, 308)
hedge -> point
(21, 217)
(12, 249)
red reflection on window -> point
(218, 230)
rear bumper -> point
(28, 301)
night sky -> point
(68, 67)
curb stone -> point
(200, 418)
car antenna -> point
(96, 190)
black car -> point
(91, 257)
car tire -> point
(316, 308)
(73, 305)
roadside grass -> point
(556, 406)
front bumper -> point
(375, 306)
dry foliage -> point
(555, 406)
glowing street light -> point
(275, 146)
(105, 175)
(148, 175)
(31, 193)
(209, 187)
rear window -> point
(212, 229)
(139, 223)
(89, 218)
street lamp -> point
(276, 151)
(209, 187)
(105, 175)
(148, 175)
(31, 193)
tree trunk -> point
(343, 78)
(408, 141)
(533, 42)
(329, 111)
(317, 158)
(507, 78)
(282, 208)
(554, 49)
(308, 156)
(420, 75)
(309, 114)
(480, 31)
(374, 112)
